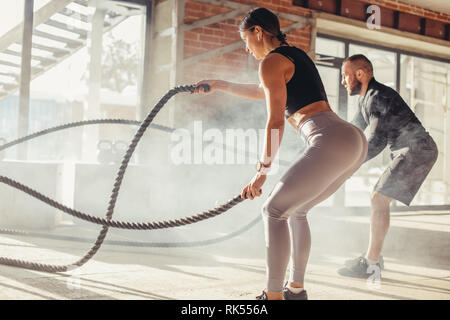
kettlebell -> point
(118, 149)
(105, 153)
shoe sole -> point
(347, 273)
(348, 263)
(303, 297)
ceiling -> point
(435, 5)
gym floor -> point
(417, 264)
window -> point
(424, 84)
(330, 47)
(329, 76)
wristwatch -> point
(262, 168)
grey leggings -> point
(335, 150)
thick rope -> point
(79, 124)
(142, 244)
(107, 222)
(125, 243)
(122, 224)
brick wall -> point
(416, 10)
(216, 35)
(229, 65)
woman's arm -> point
(272, 75)
(250, 91)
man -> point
(390, 122)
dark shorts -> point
(407, 171)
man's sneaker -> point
(358, 269)
(262, 296)
(350, 262)
(289, 295)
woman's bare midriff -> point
(299, 116)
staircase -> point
(60, 28)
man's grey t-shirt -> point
(390, 120)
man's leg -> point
(379, 225)
(401, 181)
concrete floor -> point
(417, 261)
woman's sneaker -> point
(289, 295)
(262, 296)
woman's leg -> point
(323, 162)
(298, 223)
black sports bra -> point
(305, 86)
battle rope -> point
(97, 121)
(141, 244)
(122, 243)
(107, 222)
(78, 124)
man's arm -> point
(377, 139)
(378, 127)
(358, 120)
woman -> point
(292, 88)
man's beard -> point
(356, 87)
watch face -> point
(258, 166)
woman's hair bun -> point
(281, 36)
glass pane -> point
(425, 86)
(39, 4)
(66, 91)
(330, 47)
(330, 79)
(85, 65)
(10, 15)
